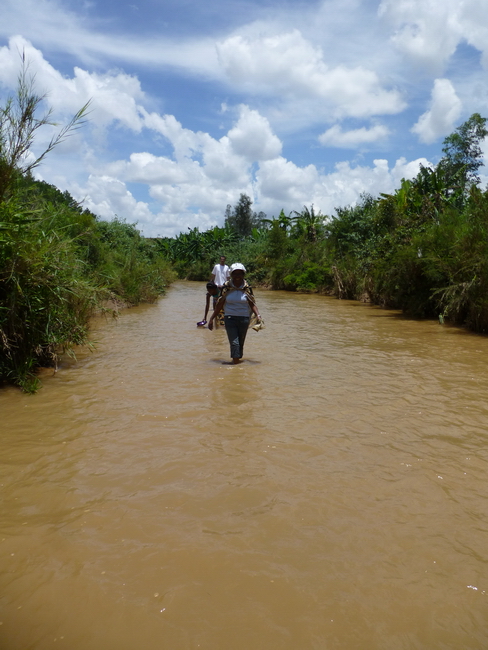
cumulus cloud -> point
(192, 150)
(282, 183)
(288, 66)
(108, 197)
(282, 180)
(428, 31)
(196, 186)
(336, 137)
(252, 137)
(440, 119)
(147, 168)
(114, 96)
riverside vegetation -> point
(422, 249)
(59, 263)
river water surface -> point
(330, 493)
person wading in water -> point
(238, 303)
(220, 273)
(213, 292)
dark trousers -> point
(236, 328)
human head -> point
(237, 269)
(212, 287)
(222, 259)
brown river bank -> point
(327, 494)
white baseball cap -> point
(237, 267)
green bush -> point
(46, 297)
(58, 264)
(310, 278)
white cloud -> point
(252, 137)
(113, 95)
(440, 119)
(217, 156)
(287, 66)
(404, 169)
(52, 26)
(475, 23)
(223, 165)
(429, 31)
(281, 184)
(147, 168)
(336, 137)
(280, 180)
(108, 196)
(193, 192)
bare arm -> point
(207, 306)
(217, 310)
(254, 308)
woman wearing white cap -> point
(238, 303)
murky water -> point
(329, 493)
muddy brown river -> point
(330, 493)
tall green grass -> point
(58, 265)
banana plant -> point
(309, 223)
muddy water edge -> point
(329, 493)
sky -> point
(293, 103)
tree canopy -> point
(462, 152)
(241, 218)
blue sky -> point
(293, 103)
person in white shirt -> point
(238, 303)
(220, 273)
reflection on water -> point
(329, 493)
